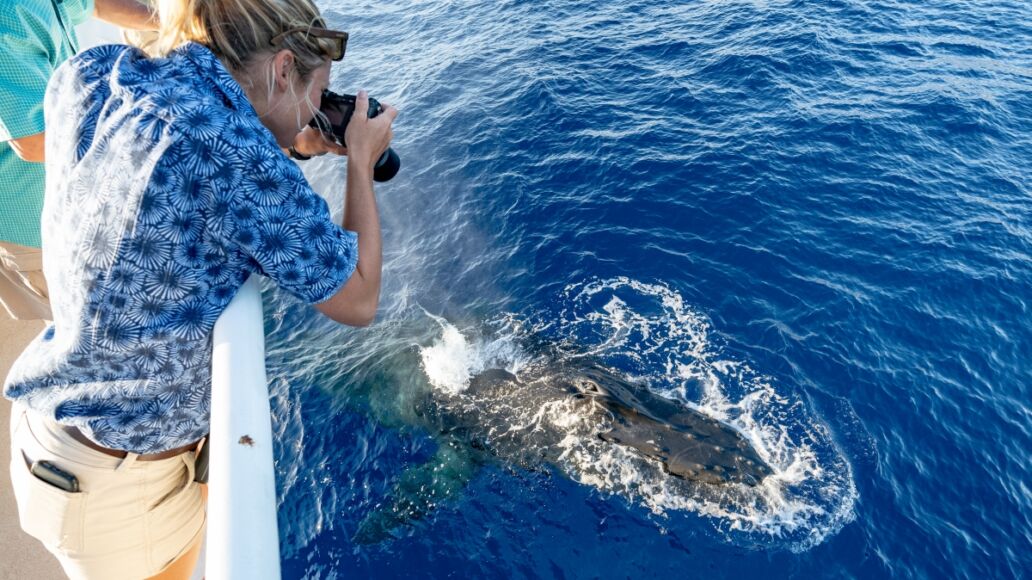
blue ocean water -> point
(810, 220)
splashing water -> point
(453, 360)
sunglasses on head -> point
(339, 37)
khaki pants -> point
(130, 519)
(23, 289)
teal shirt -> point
(35, 37)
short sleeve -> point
(263, 206)
(79, 11)
(292, 238)
(25, 69)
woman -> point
(167, 186)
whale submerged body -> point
(537, 420)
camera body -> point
(338, 109)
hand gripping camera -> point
(338, 110)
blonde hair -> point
(238, 30)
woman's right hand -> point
(366, 139)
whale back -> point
(688, 443)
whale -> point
(537, 419)
(687, 443)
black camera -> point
(338, 110)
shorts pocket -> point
(176, 486)
(51, 515)
(174, 522)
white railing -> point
(243, 538)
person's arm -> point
(355, 304)
(126, 13)
(29, 148)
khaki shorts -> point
(23, 289)
(130, 519)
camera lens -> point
(387, 166)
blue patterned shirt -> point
(164, 192)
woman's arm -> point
(355, 304)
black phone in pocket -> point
(55, 476)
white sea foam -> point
(648, 330)
(453, 359)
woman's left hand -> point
(312, 143)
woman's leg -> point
(182, 568)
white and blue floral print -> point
(164, 192)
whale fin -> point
(419, 491)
